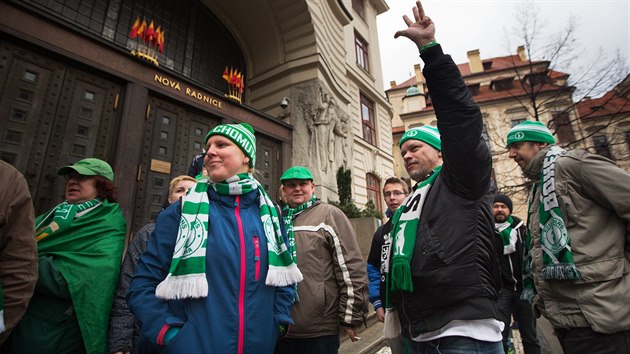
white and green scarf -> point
(289, 216)
(187, 273)
(62, 216)
(405, 227)
(508, 234)
(554, 237)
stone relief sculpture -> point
(327, 145)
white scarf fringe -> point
(283, 276)
(182, 287)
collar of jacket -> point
(533, 170)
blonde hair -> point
(174, 181)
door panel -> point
(51, 115)
(174, 135)
(268, 164)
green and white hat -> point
(530, 131)
(425, 133)
(242, 135)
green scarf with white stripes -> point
(554, 237)
(187, 273)
(289, 215)
(508, 234)
(404, 231)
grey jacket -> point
(123, 327)
(335, 287)
(594, 197)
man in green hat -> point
(578, 243)
(442, 277)
(333, 294)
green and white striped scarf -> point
(554, 237)
(290, 214)
(62, 216)
(405, 221)
(508, 234)
(187, 273)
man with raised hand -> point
(443, 279)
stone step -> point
(371, 338)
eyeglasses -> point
(393, 194)
(77, 176)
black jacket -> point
(454, 268)
(512, 264)
(379, 252)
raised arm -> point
(467, 162)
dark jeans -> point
(454, 345)
(509, 304)
(585, 340)
(317, 345)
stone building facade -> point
(80, 79)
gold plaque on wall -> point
(161, 166)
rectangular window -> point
(367, 120)
(564, 130)
(29, 76)
(373, 186)
(361, 47)
(359, 7)
(602, 147)
(473, 89)
(517, 121)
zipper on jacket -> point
(512, 272)
(257, 256)
(241, 292)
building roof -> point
(609, 104)
(497, 68)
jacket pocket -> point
(604, 270)
(564, 195)
(182, 341)
(432, 250)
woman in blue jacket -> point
(216, 276)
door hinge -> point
(139, 173)
(146, 116)
(116, 101)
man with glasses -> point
(394, 191)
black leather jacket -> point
(454, 267)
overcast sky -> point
(463, 25)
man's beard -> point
(419, 174)
(503, 217)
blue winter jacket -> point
(241, 314)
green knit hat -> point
(296, 172)
(242, 135)
(89, 167)
(530, 131)
(425, 133)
